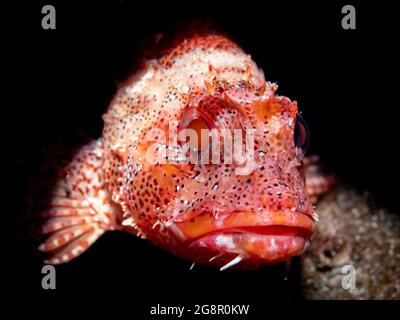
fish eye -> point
(301, 134)
(198, 126)
(199, 123)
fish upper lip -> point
(264, 223)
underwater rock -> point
(353, 231)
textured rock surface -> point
(353, 231)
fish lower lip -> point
(250, 246)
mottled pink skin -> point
(215, 77)
(201, 211)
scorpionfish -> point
(142, 177)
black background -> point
(345, 82)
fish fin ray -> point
(318, 180)
(62, 237)
(79, 209)
(75, 248)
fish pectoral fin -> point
(78, 211)
(318, 180)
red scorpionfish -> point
(209, 207)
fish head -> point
(214, 173)
(254, 206)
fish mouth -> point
(269, 237)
